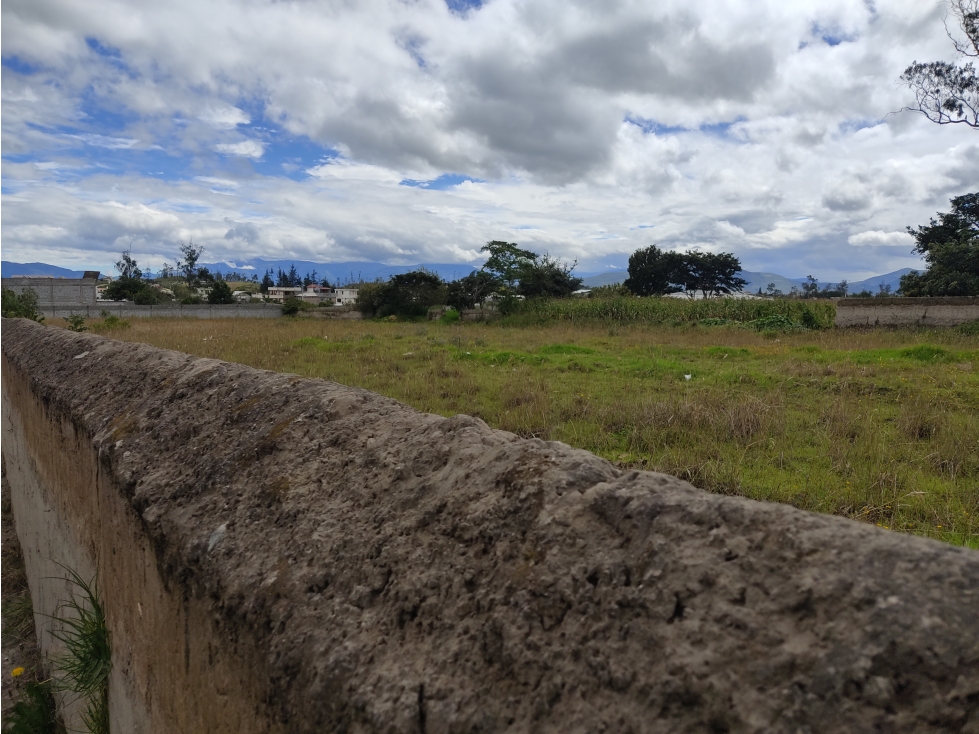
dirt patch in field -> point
(404, 572)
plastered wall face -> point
(906, 311)
(172, 670)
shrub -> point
(76, 322)
(110, 323)
(147, 296)
(449, 317)
(220, 293)
(191, 300)
(291, 306)
(23, 306)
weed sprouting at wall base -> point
(83, 668)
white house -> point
(344, 296)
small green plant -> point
(110, 323)
(809, 320)
(449, 317)
(35, 713)
(775, 322)
(76, 322)
(84, 665)
(927, 353)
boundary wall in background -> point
(281, 554)
(56, 293)
(125, 309)
(950, 311)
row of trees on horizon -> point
(948, 244)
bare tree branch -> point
(966, 12)
(944, 93)
(948, 94)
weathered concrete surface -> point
(374, 569)
(950, 311)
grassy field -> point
(881, 426)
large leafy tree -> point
(949, 93)
(469, 291)
(711, 274)
(130, 281)
(409, 294)
(653, 272)
(188, 265)
(507, 261)
(950, 246)
(546, 277)
(220, 293)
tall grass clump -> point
(84, 665)
(811, 314)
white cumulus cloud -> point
(245, 148)
(879, 238)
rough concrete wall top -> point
(407, 572)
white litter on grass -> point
(687, 377)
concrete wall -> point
(282, 554)
(906, 311)
(56, 292)
(125, 309)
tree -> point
(147, 296)
(220, 293)
(471, 290)
(947, 93)
(810, 289)
(267, 282)
(653, 272)
(547, 278)
(711, 274)
(843, 287)
(950, 246)
(507, 261)
(127, 267)
(192, 253)
(409, 294)
(130, 280)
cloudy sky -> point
(405, 131)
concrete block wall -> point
(950, 311)
(56, 292)
(284, 554)
(124, 309)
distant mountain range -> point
(351, 272)
(761, 280)
(338, 273)
(41, 269)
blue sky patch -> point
(831, 36)
(653, 127)
(443, 182)
(463, 6)
(15, 63)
